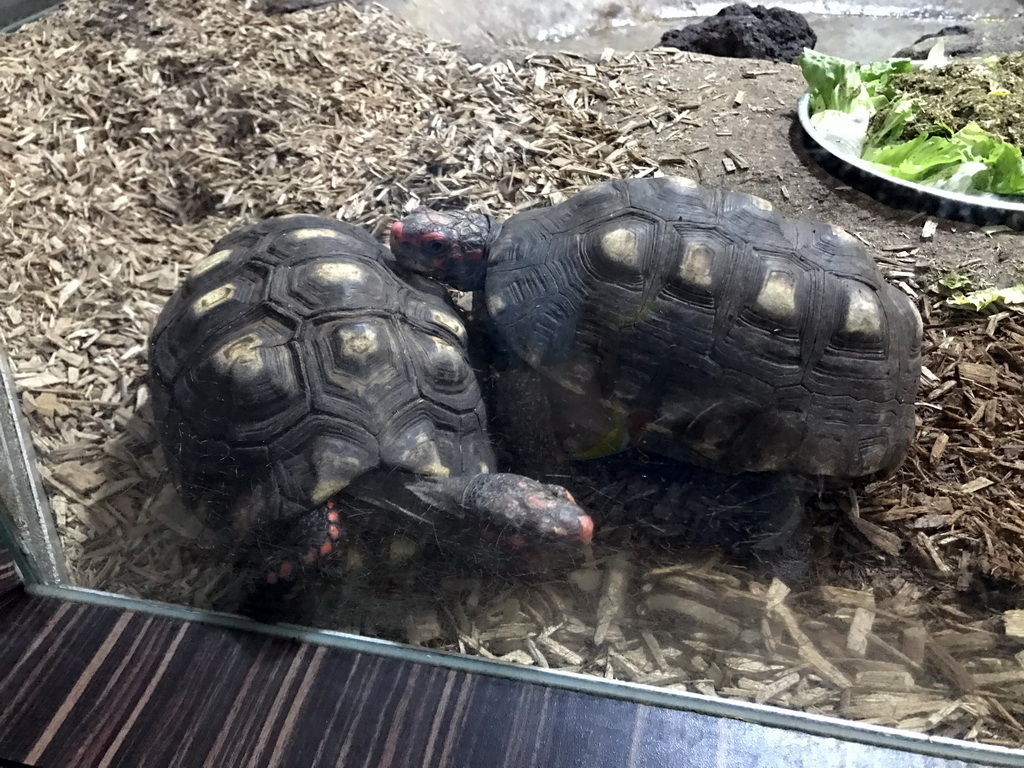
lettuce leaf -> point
(844, 85)
(927, 159)
(1005, 173)
(844, 95)
(980, 299)
(921, 159)
(897, 115)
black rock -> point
(744, 32)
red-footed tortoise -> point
(295, 377)
(698, 323)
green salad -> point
(859, 110)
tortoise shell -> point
(293, 360)
(703, 324)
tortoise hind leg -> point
(522, 423)
(285, 556)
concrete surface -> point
(851, 28)
(856, 29)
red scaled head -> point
(450, 246)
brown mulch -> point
(136, 134)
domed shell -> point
(709, 326)
(293, 359)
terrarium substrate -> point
(134, 135)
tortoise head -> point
(450, 246)
(525, 514)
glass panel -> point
(647, 431)
(26, 522)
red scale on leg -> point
(322, 527)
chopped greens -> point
(955, 281)
(985, 297)
(960, 292)
(859, 109)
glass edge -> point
(21, 492)
(9, 541)
(758, 714)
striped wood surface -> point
(94, 687)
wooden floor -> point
(87, 686)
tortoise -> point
(694, 322)
(297, 381)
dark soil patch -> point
(732, 123)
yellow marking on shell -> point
(695, 266)
(331, 470)
(339, 273)
(621, 246)
(532, 356)
(434, 469)
(661, 429)
(761, 203)
(918, 322)
(863, 315)
(359, 342)
(496, 305)
(310, 233)
(401, 549)
(242, 351)
(449, 321)
(325, 489)
(778, 296)
(213, 298)
(423, 457)
(210, 261)
(768, 462)
(682, 182)
(444, 350)
(353, 560)
(575, 376)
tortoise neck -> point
(479, 230)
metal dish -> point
(909, 195)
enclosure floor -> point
(87, 686)
(152, 128)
